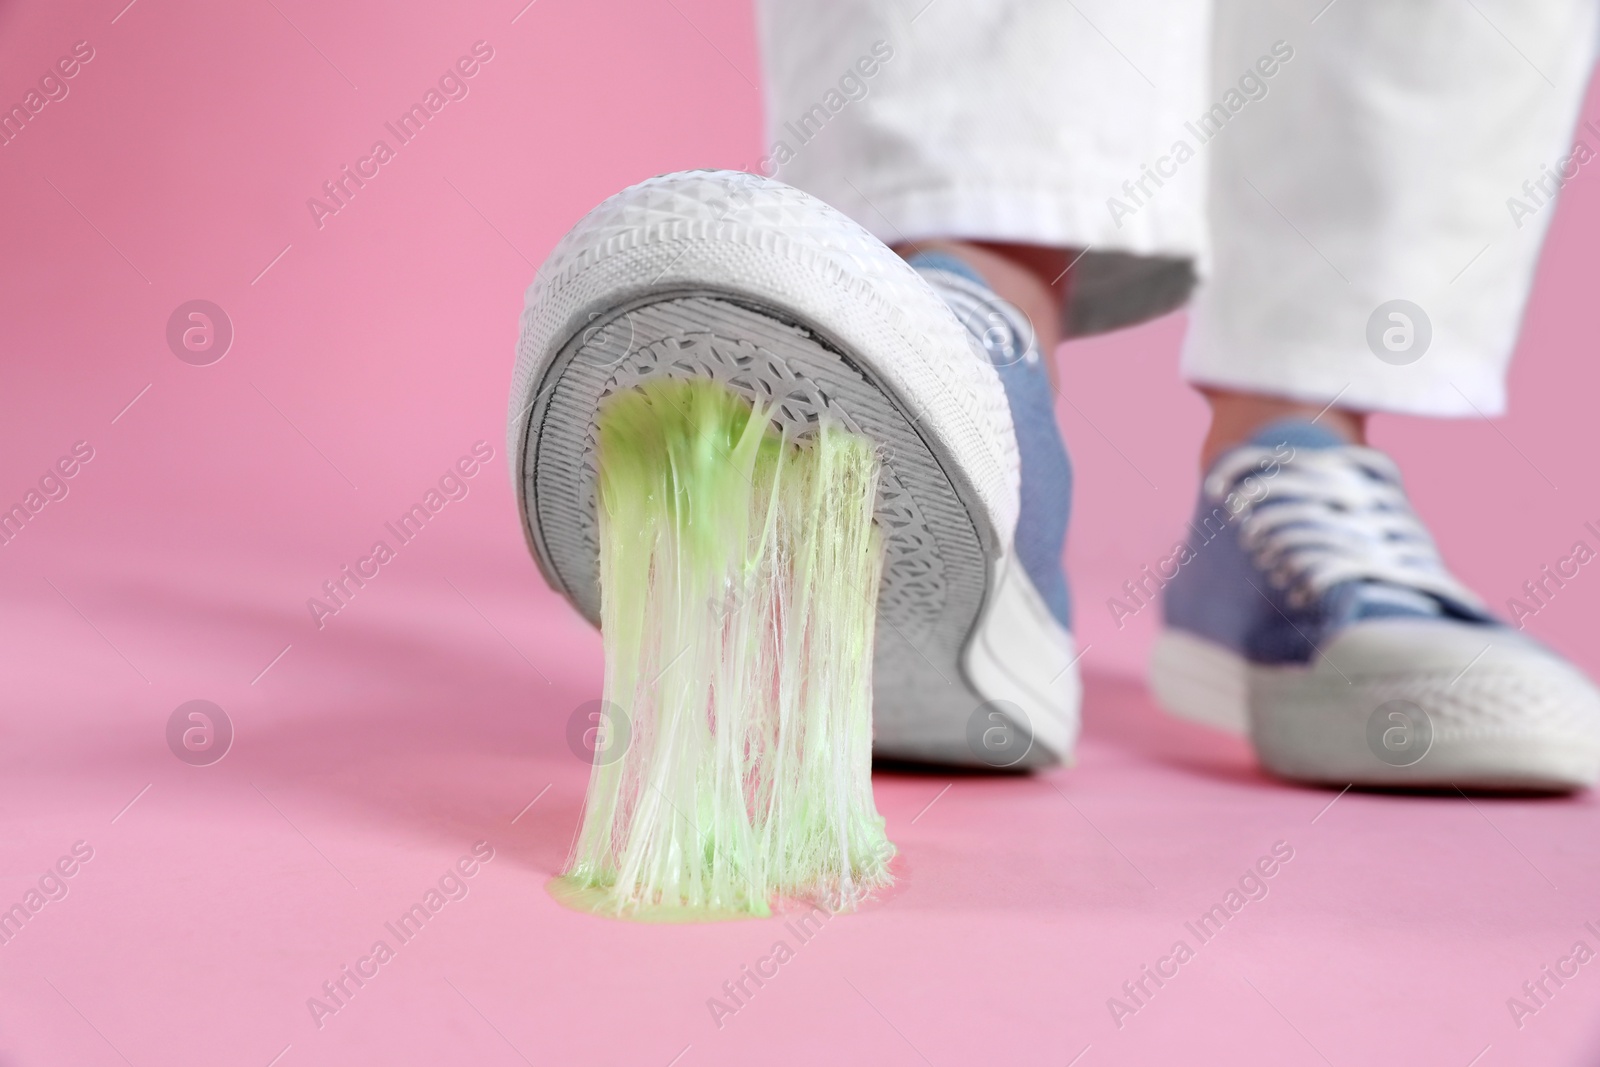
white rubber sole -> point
(729, 277)
(1397, 702)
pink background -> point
(427, 714)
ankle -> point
(1236, 416)
(1027, 276)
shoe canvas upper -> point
(1006, 339)
(1297, 535)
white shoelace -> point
(1329, 516)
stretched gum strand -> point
(739, 571)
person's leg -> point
(1367, 259)
(1016, 129)
(1382, 161)
(1236, 414)
(978, 141)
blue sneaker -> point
(740, 280)
(1311, 609)
(1032, 606)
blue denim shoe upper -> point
(1006, 337)
(1297, 535)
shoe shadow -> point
(1120, 714)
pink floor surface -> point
(372, 753)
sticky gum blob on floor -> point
(739, 572)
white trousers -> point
(1309, 164)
